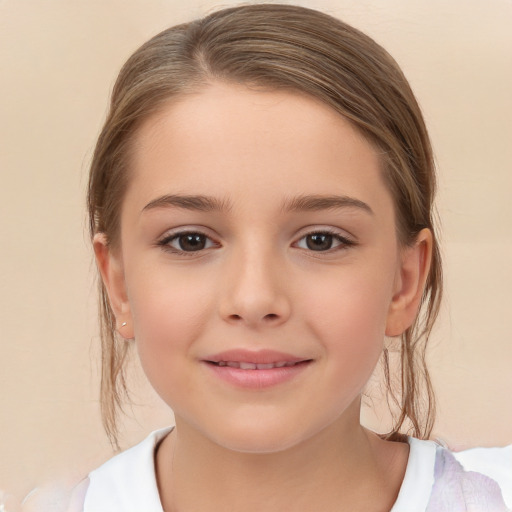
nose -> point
(254, 290)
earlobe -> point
(111, 269)
(409, 285)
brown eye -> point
(319, 241)
(324, 241)
(186, 242)
(191, 242)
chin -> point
(260, 442)
(257, 436)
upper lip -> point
(255, 357)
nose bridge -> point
(255, 291)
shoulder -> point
(479, 479)
(494, 462)
(127, 482)
(418, 480)
(439, 480)
(62, 495)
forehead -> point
(235, 141)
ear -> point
(111, 268)
(409, 284)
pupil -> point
(192, 242)
(319, 242)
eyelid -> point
(345, 240)
(186, 229)
(170, 235)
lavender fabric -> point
(457, 490)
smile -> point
(242, 365)
(260, 370)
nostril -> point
(271, 316)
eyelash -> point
(165, 242)
(343, 242)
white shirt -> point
(434, 480)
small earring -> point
(123, 324)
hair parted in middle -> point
(284, 47)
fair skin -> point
(291, 247)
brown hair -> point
(285, 47)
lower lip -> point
(258, 379)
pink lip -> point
(257, 357)
(256, 378)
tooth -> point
(266, 366)
(280, 364)
(247, 366)
(289, 364)
(222, 363)
(233, 364)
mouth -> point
(245, 365)
(255, 359)
(256, 369)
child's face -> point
(291, 257)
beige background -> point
(58, 60)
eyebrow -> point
(319, 202)
(300, 203)
(189, 202)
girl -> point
(260, 206)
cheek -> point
(350, 319)
(166, 300)
(169, 313)
(351, 305)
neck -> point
(342, 468)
